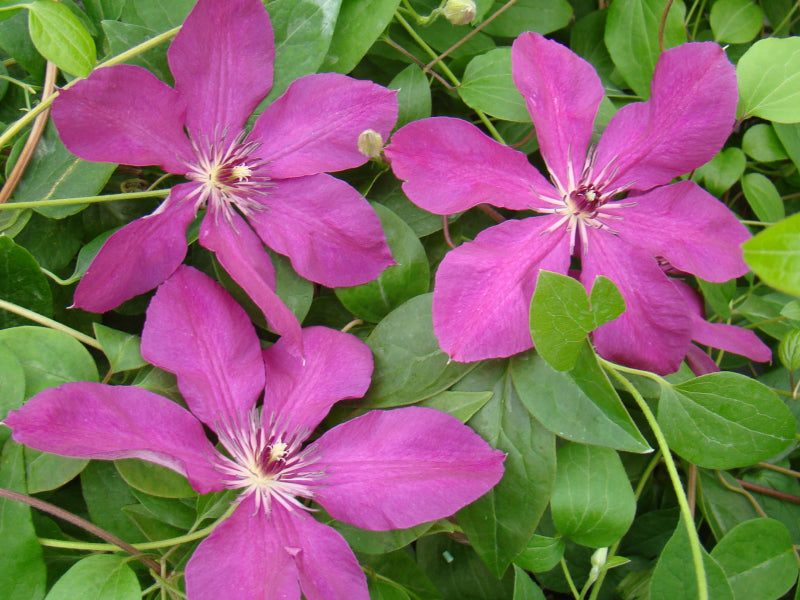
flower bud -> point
(459, 12)
(370, 143)
(598, 562)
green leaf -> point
(724, 420)
(413, 96)
(586, 40)
(153, 479)
(121, 349)
(763, 197)
(22, 569)
(101, 577)
(789, 350)
(541, 16)
(156, 14)
(769, 80)
(500, 523)
(48, 357)
(52, 242)
(524, 587)
(12, 381)
(409, 365)
(359, 24)
(723, 171)
(736, 21)
(723, 501)
(176, 512)
(562, 315)
(542, 553)
(60, 37)
(674, 577)
(55, 173)
(789, 135)
(592, 501)
(23, 283)
(376, 542)
(579, 405)
(408, 278)
(719, 295)
(50, 471)
(124, 36)
(458, 572)
(757, 559)
(303, 32)
(462, 405)
(761, 143)
(400, 567)
(774, 255)
(487, 85)
(106, 493)
(632, 38)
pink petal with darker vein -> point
(483, 291)
(244, 257)
(327, 567)
(139, 256)
(687, 226)
(124, 114)
(654, 332)
(684, 124)
(314, 126)
(222, 62)
(449, 166)
(195, 330)
(335, 366)
(399, 468)
(562, 92)
(92, 420)
(244, 557)
(326, 228)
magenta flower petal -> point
(236, 43)
(124, 114)
(242, 255)
(336, 366)
(688, 227)
(399, 468)
(196, 331)
(721, 335)
(244, 557)
(92, 420)
(482, 297)
(314, 126)
(684, 124)
(326, 228)
(699, 362)
(327, 567)
(156, 244)
(655, 330)
(562, 92)
(449, 166)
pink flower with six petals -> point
(383, 470)
(274, 176)
(612, 206)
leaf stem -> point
(176, 541)
(683, 503)
(84, 200)
(115, 543)
(42, 320)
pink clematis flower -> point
(612, 206)
(383, 470)
(274, 176)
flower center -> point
(267, 462)
(584, 201)
(229, 176)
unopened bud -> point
(598, 562)
(370, 143)
(459, 12)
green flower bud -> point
(459, 12)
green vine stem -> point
(450, 75)
(23, 122)
(145, 546)
(115, 543)
(694, 541)
(84, 200)
(42, 320)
